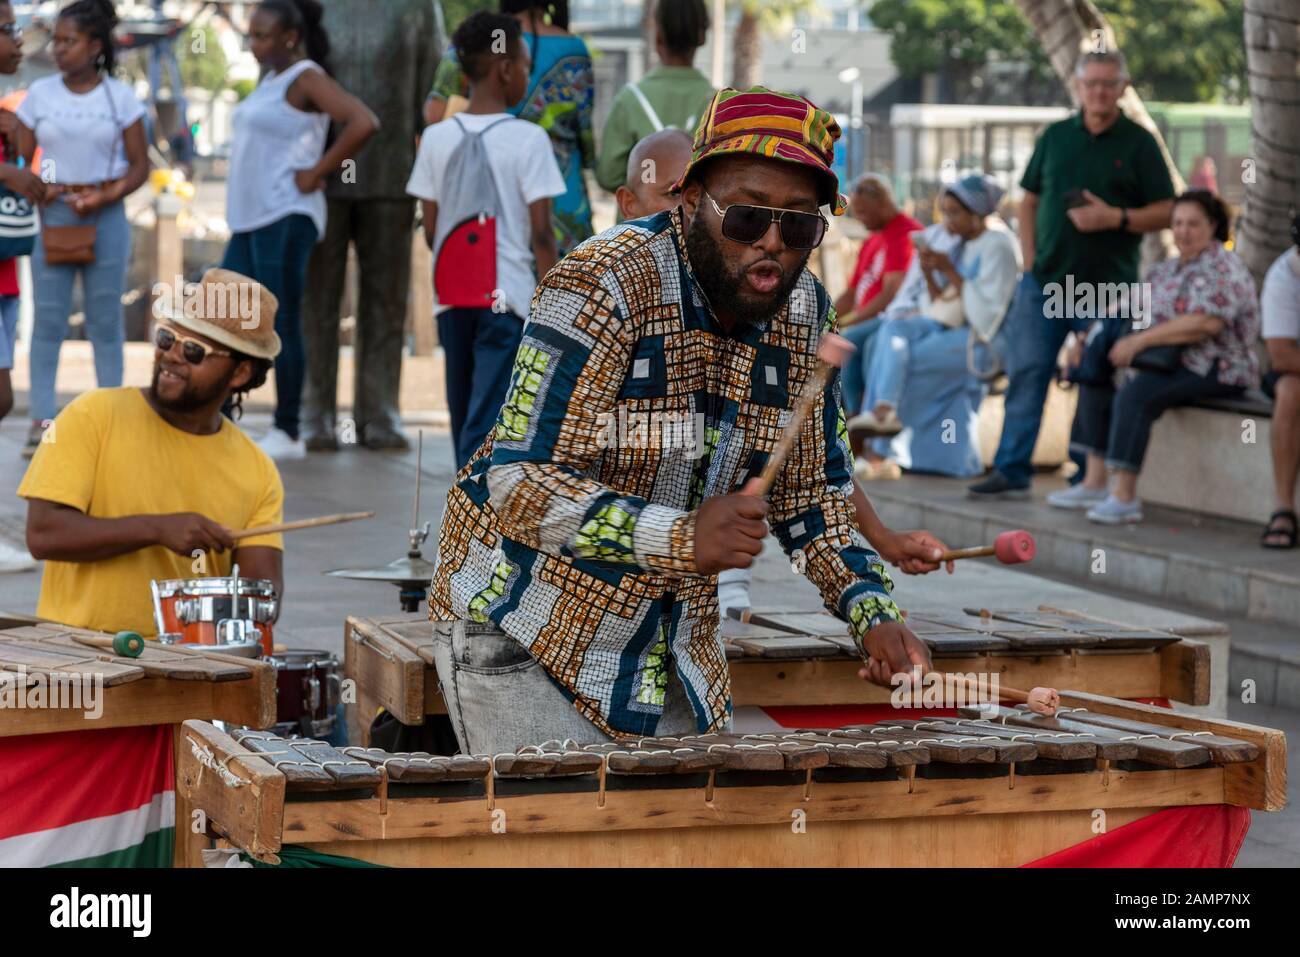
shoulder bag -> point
(75, 245)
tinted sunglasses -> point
(12, 30)
(192, 350)
(745, 224)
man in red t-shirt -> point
(884, 257)
(878, 276)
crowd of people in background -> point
(939, 314)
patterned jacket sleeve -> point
(555, 422)
(813, 517)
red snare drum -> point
(307, 687)
(230, 615)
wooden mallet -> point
(1010, 548)
(125, 644)
(1040, 700)
(832, 352)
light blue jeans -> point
(499, 697)
(853, 379)
(102, 285)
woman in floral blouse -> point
(1203, 301)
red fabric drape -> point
(1206, 835)
(1197, 836)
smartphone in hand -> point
(1074, 198)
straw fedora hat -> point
(229, 309)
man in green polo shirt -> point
(1095, 183)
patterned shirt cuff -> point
(665, 541)
(866, 613)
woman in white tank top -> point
(275, 204)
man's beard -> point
(191, 399)
(725, 286)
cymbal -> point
(403, 570)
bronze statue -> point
(385, 52)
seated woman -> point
(920, 388)
(1202, 300)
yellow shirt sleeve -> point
(269, 511)
(64, 467)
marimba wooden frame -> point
(393, 668)
(1006, 819)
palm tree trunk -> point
(748, 68)
(1064, 28)
(1272, 32)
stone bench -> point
(1201, 458)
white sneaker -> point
(870, 426)
(281, 448)
(1114, 512)
(1076, 497)
(13, 560)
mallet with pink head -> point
(1010, 548)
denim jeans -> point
(853, 379)
(1032, 343)
(479, 348)
(276, 256)
(9, 308)
(499, 697)
(102, 285)
(1118, 424)
(890, 355)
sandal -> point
(1288, 535)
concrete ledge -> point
(1200, 460)
(1214, 567)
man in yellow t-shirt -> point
(131, 485)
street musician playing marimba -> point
(574, 596)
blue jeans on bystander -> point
(479, 347)
(102, 284)
(276, 256)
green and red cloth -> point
(103, 798)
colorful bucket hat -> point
(763, 122)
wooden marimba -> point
(46, 662)
(807, 658)
(956, 791)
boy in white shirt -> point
(479, 343)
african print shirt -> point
(573, 528)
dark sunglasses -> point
(745, 224)
(12, 30)
(193, 350)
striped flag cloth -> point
(103, 798)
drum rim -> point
(257, 587)
(321, 657)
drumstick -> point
(832, 352)
(302, 523)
